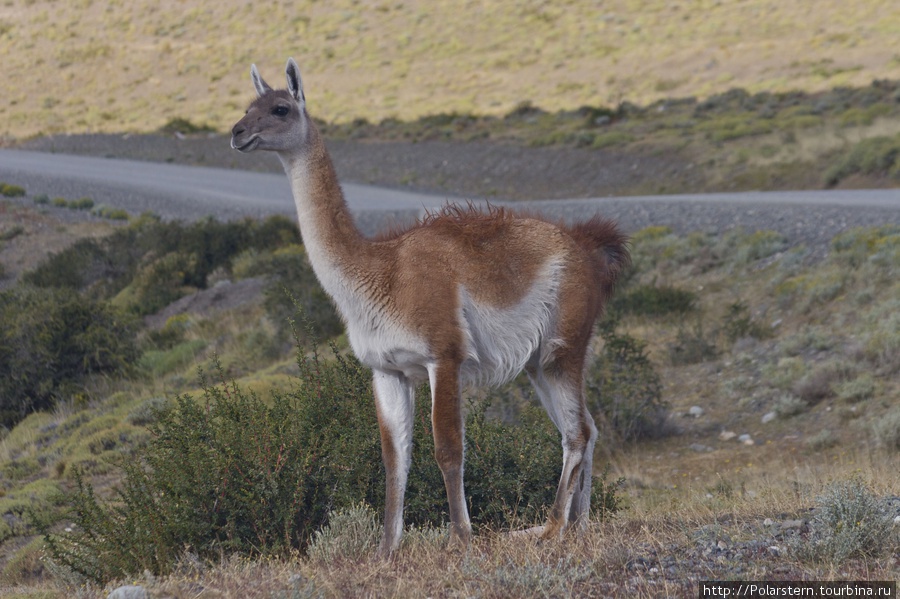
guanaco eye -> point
(281, 110)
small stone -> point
(696, 411)
(128, 592)
(768, 522)
(727, 435)
(791, 524)
(774, 550)
(722, 545)
(701, 448)
(769, 417)
(746, 439)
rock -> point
(695, 411)
(700, 448)
(774, 550)
(791, 524)
(727, 435)
(768, 522)
(746, 439)
(128, 592)
(769, 417)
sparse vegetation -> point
(800, 370)
(849, 522)
(11, 191)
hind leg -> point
(563, 399)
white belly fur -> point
(498, 342)
(501, 341)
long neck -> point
(335, 247)
(326, 224)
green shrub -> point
(109, 212)
(691, 345)
(293, 285)
(886, 430)
(872, 156)
(623, 386)
(51, 341)
(11, 232)
(650, 300)
(789, 405)
(232, 473)
(161, 362)
(849, 522)
(11, 191)
(82, 204)
(738, 323)
(60, 202)
(858, 389)
(158, 261)
(41, 199)
(184, 126)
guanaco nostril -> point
(237, 129)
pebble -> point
(696, 411)
(701, 448)
(746, 439)
(769, 417)
(727, 435)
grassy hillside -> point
(780, 373)
(133, 66)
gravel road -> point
(223, 188)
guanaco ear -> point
(261, 86)
(295, 84)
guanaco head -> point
(277, 119)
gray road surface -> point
(187, 193)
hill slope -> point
(117, 66)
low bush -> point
(738, 323)
(691, 345)
(232, 473)
(886, 430)
(872, 156)
(11, 191)
(650, 300)
(51, 342)
(155, 262)
(623, 386)
(351, 533)
(293, 286)
(849, 521)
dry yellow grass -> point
(132, 66)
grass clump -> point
(351, 533)
(849, 522)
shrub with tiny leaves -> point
(231, 473)
(849, 522)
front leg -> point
(447, 426)
(395, 402)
